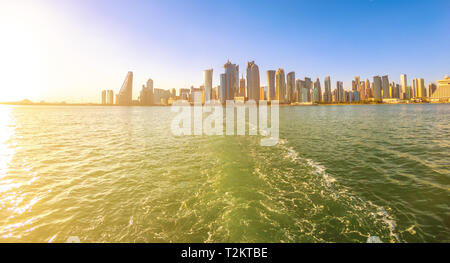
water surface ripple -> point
(117, 174)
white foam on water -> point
(329, 181)
(374, 239)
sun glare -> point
(21, 63)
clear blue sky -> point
(172, 42)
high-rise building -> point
(253, 86)
(340, 93)
(385, 86)
(302, 90)
(290, 78)
(262, 95)
(327, 94)
(270, 85)
(308, 86)
(280, 86)
(297, 91)
(317, 91)
(431, 89)
(150, 84)
(356, 84)
(110, 97)
(103, 97)
(208, 75)
(146, 96)
(368, 91)
(391, 90)
(442, 92)
(222, 89)
(415, 93)
(405, 95)
(160, 96)
(421, 90)
(126, 91)
(184, 94)
(242, 87)
(377, 92)
(232, 80)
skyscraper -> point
(368, 91)
(110, 97)
(421, 90)
(253, 88)
(298, 91)
(208, 74)
(414, 89)
(405, 95)
(242, 87)
(356, 84)
(307, 91)
(280, 86)
(290, 87)
(327, 94)
(442, 92)
(362, 91)
(317, 91)
(146, 96)
(392, 90)
(377, 88)
(222, 88)
(125, 94)
(103, 97)
(385, 86)
(340, 93)
(431, 89)
(262, 93)
(270, 85)
(232, 80)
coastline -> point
(282, 105)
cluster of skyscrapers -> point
(284, 88)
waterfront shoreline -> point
(283, 105)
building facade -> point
(253, 84)
(126, 91)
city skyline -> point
(68, 51)
(285, 89)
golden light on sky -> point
(20, 50)
(48, 55)
(71, 50)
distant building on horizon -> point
(110, 97)
(385, 86)
(290, 86)
(307, 89)
(317, 91)
(442, 92)
(270, 85)
(208, 75)
(327, 97)
(242, 89)
(421, 90)
(146, 96)
(405, 92)
(253, 81)
(231, 82)
(126, 91)
(280, 86)
(103, 97)
(377, 92)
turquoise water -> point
(117, 174)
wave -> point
(343, 193)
